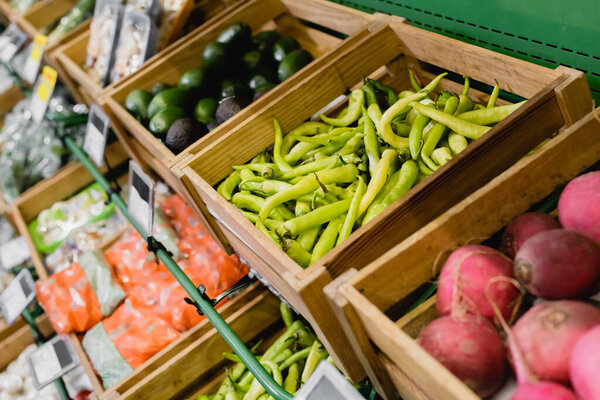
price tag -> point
(96, 134)
(141, 198)
(327, 383)
(17, 296)
(11, 40)
(32, 65)
(51, 361)
(42, 92)
(14, 252)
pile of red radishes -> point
(554, 347)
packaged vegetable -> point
(125, 340)
(20, 6)
(137, 42)
(104, 31)
(151, 7)
(175, 14)
(78, 297)
(53, 226)
(86, 238)
(82, 11)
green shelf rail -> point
(545, 32)
(253, 365)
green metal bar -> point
(38, 338)
(206, 307)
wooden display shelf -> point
(16, 337)
(286, 16)
(71, 56)
(363, 299)
(556, 98)
(9, 98)
(168, 372)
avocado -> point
(160, 87)
(205, 109)
(262, 90)
(261, 78)
(233, 87)
(265, 40)
(257, 59)
(169, 97)
(215, 56)
(292, 63)
(283, 47)
(194, 80)
(137, 103)
(238, 37)
(183, 133)
(229, 107)
(162, 121)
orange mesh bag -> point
(69, 301)
(165, 298)
(137, 333)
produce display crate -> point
(168, 372)
(71, 55)
(368, 300)
(16, 337)
(556, 98)
(286, 16)
(9, 98)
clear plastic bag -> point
(104, 31)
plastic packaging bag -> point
(104, 31)
(77, 298)
(134, 332)
(53, 226)
(137, 42)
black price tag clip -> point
(241, 284)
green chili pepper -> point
(479, 107)
(327, 240)
(390, 94)
(458, 125)
(308, 238)
(385, 128)
(440, 102)
(293, 227)
(227, 187)
(296, 252)
(277, 157)
(344, 174)
(296, 357)
(494, 96)
(400, 128)
(424, 169)
(489, 116)
(271, 224)
(466, 87)
(256, 204)
(290, 384)
(355, 103)
(465, 103)
(377, 180)
(370, 95)
(317, 354)
(415, 140)
(434, 82)
(441, 155)
(413, 80)
(371, 142)
(436, 133)
(457, 142)
(264, 187)
(247, 175)
(323, 139)
(261, 158)
(374, 112)
(255, 167)
(319, 165)
(351, 146)
(350, 220)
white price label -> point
(14, 252)
(11, 40)
(51, 361)
(32, 65)
(96, 134)
(42, 92)
(17, 296)
(141, 198)
(327, 383)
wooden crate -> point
(9, 98)
(71, 56)
(556, 98)
(285, 16)
(168, 372)
(363, 299)
(16, 337)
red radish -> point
(470, 348)
(528, 385)
(584, 368)
(548, 332)
(522, 228)
(579, 205)
(464, 278)
(559, 264)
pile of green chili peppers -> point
(326, 178)
(291, 359)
